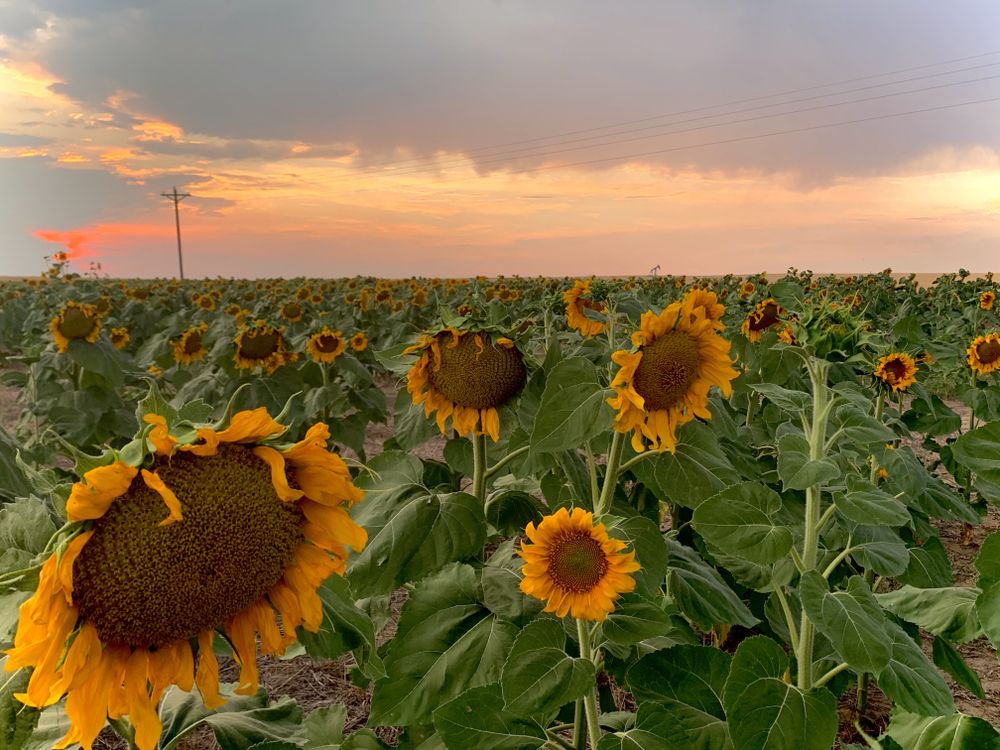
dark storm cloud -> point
(399, 78)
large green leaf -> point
(477, 719)
(948, 612)
(501, 581)
(954, 732)
(643, 535)
(692, 675)
(635, 619)
(796, 470)
(988, 601)
(947, 657)
(865, 504)
(242, 722)
(740, 521)
(755, 658)
(851, 619)
(25, 525)
(929, 566)
(978, 451)
(788, 400)
(911, 681)
(412, 533)
(772, 715)
(509, 511)
(574, 407)
(655, 729)
(447, 642)
(697, 470)
(538, 677)
(700, 592)
(881, 549)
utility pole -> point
(177, 198)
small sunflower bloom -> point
(359, 342)
(983, 354)
(75, 322)
(119, 337)
(292, 312)
(262, 345)
(575, 567)
(986, 300)
(767, 313)
(897, 370)
(325, 345)
(465, 376)
(665, 383)
(232, 534)
(190, 347)
(577, 302)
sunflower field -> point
(656, 513)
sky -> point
(329, 138)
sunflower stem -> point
(590, 699)
(634, 460)
(479, 467)
(817, 370)
(611, 475)
(579, 728)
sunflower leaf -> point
(446, 643)
(655, 729)
(772, 715)
(955, 732)
(911, 681)
(476, 719)
(241, 722)
(740, 521)
(573, 409)
(700, 592)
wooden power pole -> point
(177, 198)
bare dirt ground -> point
(318, 683)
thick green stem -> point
(816, 436)
(590, 699)
(580, 729)
(611, 475)
(479, 467)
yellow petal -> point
(153, 481)
(92, 497)
(278, 477)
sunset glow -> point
(341, 205)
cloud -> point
(413, 80)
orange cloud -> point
(93, 240)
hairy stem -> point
(611, 475)
(479, 467)
(590, 699)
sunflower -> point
(926, 359)
(190, 347)
(897, 370)
(119, 337)
(233, 310)
(766, 314)
(75, 322)
(986, 300)
(206, 302)
(224, 533)
(577, 301)
(262, 345)
(747, 288)
(359, 342)
(466, 375)
(665, 383)
(292, 312)
(325, 345)
(574, 566)
(984, 353)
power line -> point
(767, 135)
(496, 159)
(727, 104)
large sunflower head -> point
(209, 531)
(577, 303)
(574, 566)
(325, 345)
(665, 382)
(767, 313)
(897, 370)
(467, 376)
(262, 345)
(984, 353)
(986, 300)
(75, 322)
(190, 347)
